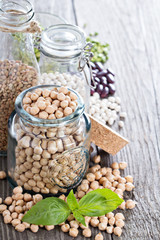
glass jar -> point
(18, 65)
(64, 59)
(48, 156)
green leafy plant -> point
(99, 50)
(53, 211)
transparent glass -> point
(48, 156)
(62, 48)
(18, 65)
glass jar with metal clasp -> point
(64, 59)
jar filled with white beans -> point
(48, 148)
(64, 59)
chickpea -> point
(107, 184)
(14, 215)
(98, 175)
(20, 227)
(29, 205)
(18, 209)
(110, 229)
(6, 212)
(18, 196)
(2, 175)
(11, 208)
(73, 96)
(129, 178)
(17, 190)
(120, 223)
(111, 221)
(115, 165)
(84, 187)
(103, 171)
(117, 231)
(82, 226)
(87, 233)
(103, 219)
(130, 204)
(20, 216)
(67, 111)
(43, 115)
(7, 219)
(81, 194)
(73, 232)
(102, 226)
(27, 197)
(37, 198)
(116, 172)
(119, 191)
(34, 110)
(121, 180)
(53, 94)
(3, 207)
(94, 222)
(49, 227)
(27, 225)
(122, 206)
(96, 159)
(8, 200)
(64, 90)
(129, 186)
(34, 228)
(15, 222)
(74, 224)
(119, 216)
(122, 165)
(94, 185)
(70, 217)
(99, 236)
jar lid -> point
(63, 40)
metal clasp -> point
(85, 58)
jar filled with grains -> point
(64, 59)
(18, 65)
(48, 140)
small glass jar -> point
(48, 156)
(64, 59)
(18, 66)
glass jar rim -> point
(47, 122)
(63, 40)
(15, 13)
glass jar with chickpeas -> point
(64, 59)
(48, 140)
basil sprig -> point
(53, 211)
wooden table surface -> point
(132, 28)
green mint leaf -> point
(79, 217)
(99, 202)
(72, 201)
(49, 211)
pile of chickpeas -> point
(50, 104)
(97, 177)
(42, 159)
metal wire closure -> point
(85, 59)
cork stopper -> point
(105, 138)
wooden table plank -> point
(132, 29)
